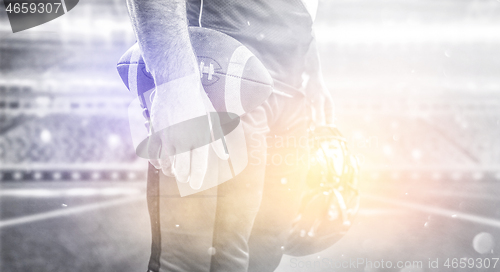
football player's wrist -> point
(186, 83)
(169, 71)
(177, 64)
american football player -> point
(242, 224)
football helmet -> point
(332, 197)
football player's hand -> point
(321, 102)
(174, 102)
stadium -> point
(417, 94)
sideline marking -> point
(465, 195)
(69, 211)
(439, 211)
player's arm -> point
(162, 32)
(316, 90)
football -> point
(235, 81)
(233, 78)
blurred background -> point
(417, 90)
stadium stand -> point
(418, 102)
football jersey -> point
(278, 32)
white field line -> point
(367, 212)
(438, 211)
(482, 196)
(70, 211)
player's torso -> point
(277, 31)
